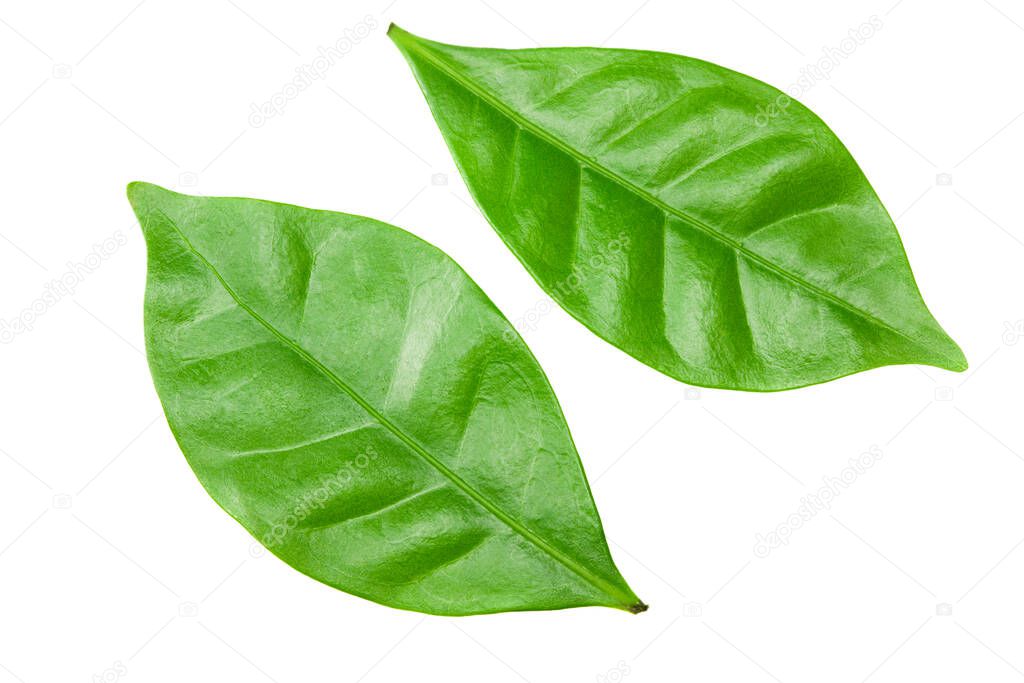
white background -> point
(114, 563)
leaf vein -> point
(694, 222)
(514, 524)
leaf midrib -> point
(582, 159)
(628, 601)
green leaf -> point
(358, 404)
(694, 217)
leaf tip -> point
(958, 361)
(134, 189)
(138, 191)
(396, 33)
(638, 607)
(952, 356)
(147, 199)
(403, 39)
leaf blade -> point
(522, 109)
(241, 290)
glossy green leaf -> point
(692, 216)
(352, 398)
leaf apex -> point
(949, 354)
(638, 607)
(138, 191)
(957, 359)
(135, 189)
(398, 34)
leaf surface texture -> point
(654, 199)
(348, 394)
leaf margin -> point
(409, 43)
(625, 600)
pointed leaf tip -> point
(396, 33)
(135, 189)
(766, 240)
(958, 361)
(139, 191)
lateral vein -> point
(590, 577)
(523, 122)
